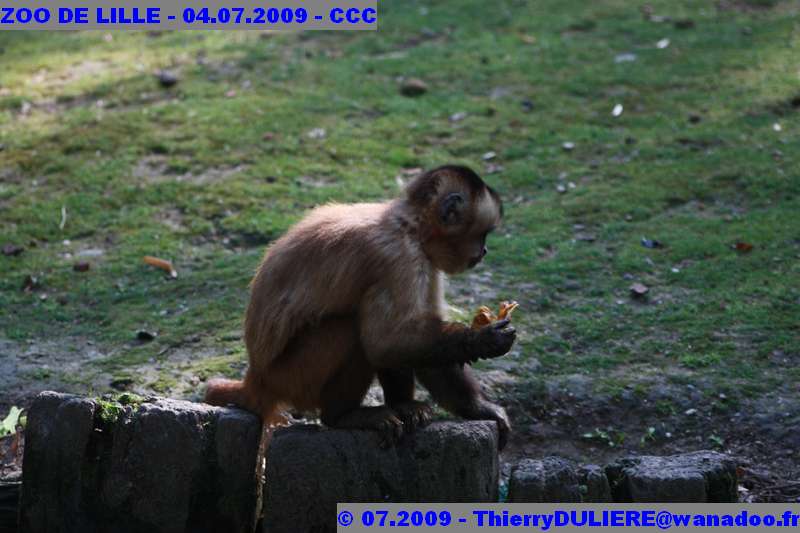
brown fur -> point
(352, 290)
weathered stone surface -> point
(551, 479)
(161, 466)
(310, 469)
(9, 505)
(56, 437)
(594, 484)
(703, 476)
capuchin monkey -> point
(356, 291)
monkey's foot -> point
(414, 414)
(498, 414)
(381, 419)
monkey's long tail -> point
(230, 391)
(227, 391)
(242, 394)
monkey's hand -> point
(492, 341)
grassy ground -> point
(704, 155)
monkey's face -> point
(458, 239)
(457, 253)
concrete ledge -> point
(310, 469)
(162, 465)
(172, 466)
(551, 479)
(703, 476)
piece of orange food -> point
(163, 264)
(484, 316)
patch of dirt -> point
(704, 209)
(211, 175)
(28, 368)
(568, 416)
(155, 169)
(173, 219)
(54, 80)
(747, 6)
(315, 182)
(224, 70)
(175, 375)
(425, 37)
(11, 452)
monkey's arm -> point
(454, 388)
(429, 341)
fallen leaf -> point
(9, 423)
(145, 336)
(651, 243)
(162, 264)
(63, 217)
(625, 58)
(167, 78)
(492, 168)
(90, 252)
(30, 283)
(12, 249)
(638, 290)
(743, 247)
(413, 87)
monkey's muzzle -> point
(477, 259)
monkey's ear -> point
(451, 209)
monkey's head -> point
(457, 210)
